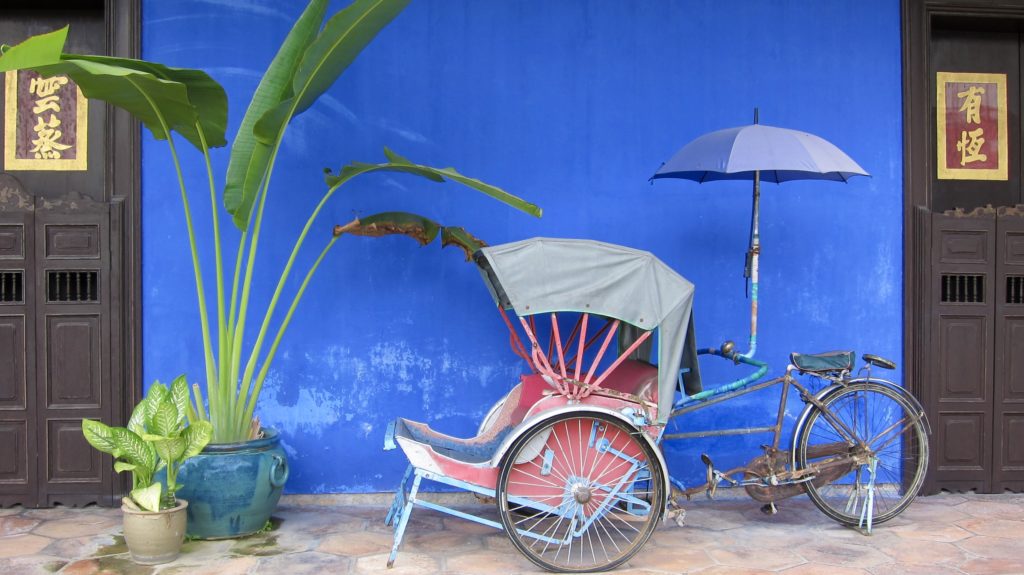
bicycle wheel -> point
(887, 430)
(580, 493)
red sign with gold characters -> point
(972, 138)
(45, 123)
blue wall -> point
(571, 104)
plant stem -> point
(196, 267)
(240, 426)
(222, 341)
(258, 384)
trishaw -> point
(571, 454)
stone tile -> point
(910, 569)
(26, 544)
(78, 525)
(921, 552)
(671, 559)
(31, 565)
(269, 544)
(307, 563)
(95, 546)
(319, 521)
(841, 554)
(121, 565)
(730, 570)
(994, 547)
(82, 567)
(439, 541)
(405, 564)
(994, 566)
(816, 569)
(484, 563)
(945, 514)
(11, 511)
(225, 566)
(356, 544)
(992, 509)
(929, 531)
(993, 527)
(15, 525)
(755, 558)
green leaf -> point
(100, 436)
(137, 422)
(342, 39)
(417, 227)
(460, 238)
(169, 450)
(180, 398)
(249, 156)
(35, 51)
(397, 163)
(143, 95)
(134, 449)
(165, 419)
(196, 436)
(148, 497)
(120, 466)
(205, 94)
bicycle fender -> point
(824, 393)
(498, 459)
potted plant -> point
(156, 439)
(192, 105)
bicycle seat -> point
(828, 362)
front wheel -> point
(872, 435)
(581, 493)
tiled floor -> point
(943, 534)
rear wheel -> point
(887, 433)
(581, 493)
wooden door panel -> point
(1008, 392)
(963, 340)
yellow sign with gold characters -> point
(972, 141)
(46, 123)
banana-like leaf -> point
(458, 236)
(35, 51)
(206, 95)
(180, 398)
(342, 39)
(142, 94)
(100, 436)
(397, 163)
(417, 227)
(249, 156)
(134, 449)
(196, 436)
(148, 497)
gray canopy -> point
(543, 275)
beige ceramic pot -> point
(155, 537)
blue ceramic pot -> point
(232, 488)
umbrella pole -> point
(753, 254)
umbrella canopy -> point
(778, 154)
(758, 152)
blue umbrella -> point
(758, 152)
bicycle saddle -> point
(828, 362)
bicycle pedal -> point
(769, 508)
(678, 515)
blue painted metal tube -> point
(732, 386)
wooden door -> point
(1008, 369)
(69, 274)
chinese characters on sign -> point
(45, 123)
(971, 126)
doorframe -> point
(123, 23)
(917, 17)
